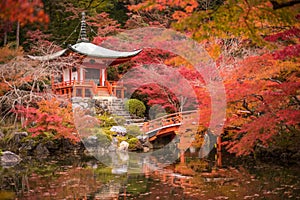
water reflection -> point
(189, 178)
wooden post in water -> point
(219, 150)
(182, 158)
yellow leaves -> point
(214, 50)
(178, 61)
(9, 52)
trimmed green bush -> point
(135, 107)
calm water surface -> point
(190, 178)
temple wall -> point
(74, 76)
(66, 75)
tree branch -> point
(277, 5)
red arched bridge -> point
(168, 125)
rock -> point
(26, 146)
(52, 146)
(18, 136)
(112, 148)
(41, 151)
(192, 149)
(148, 144)
(146, 149)
(124, 146)
(91, 141)
(139, 146)
(9, 158)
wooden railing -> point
(117, 87)
(69, 87)
(168, 120)
(109, 87)
(64, 84)
(72, 83)
(94, 87)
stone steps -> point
(115, 106)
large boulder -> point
(123, 146)
(9, 158)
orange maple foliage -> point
(51, 119)
(23, 11)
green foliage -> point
(106, 120)
(121, 139)
(120, 120)
(112, 74)
(158, 115)
(106, 131)
(246, 19)
(133, 130)
(135, 107)
(104, 139)
(65, 17)
(132, 143)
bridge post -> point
(182, 157)
(219, 151)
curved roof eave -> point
(93, 50)
(49, 56)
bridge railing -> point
(174, 118)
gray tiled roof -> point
(88, 49)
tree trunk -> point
(18, 35)
(5, 39)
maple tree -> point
(268, 106)
(24, 81)
(173, 93)
(225, 19)
(255, 45)
(21, 12)
(51, 119)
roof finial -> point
(83, 37)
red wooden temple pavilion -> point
(90, 78)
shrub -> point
(135, 107)
(120, 120)
(49, 120)
(112, 74)
(133, 130)
(132, 143)
(106, 121)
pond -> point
(74, 177)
